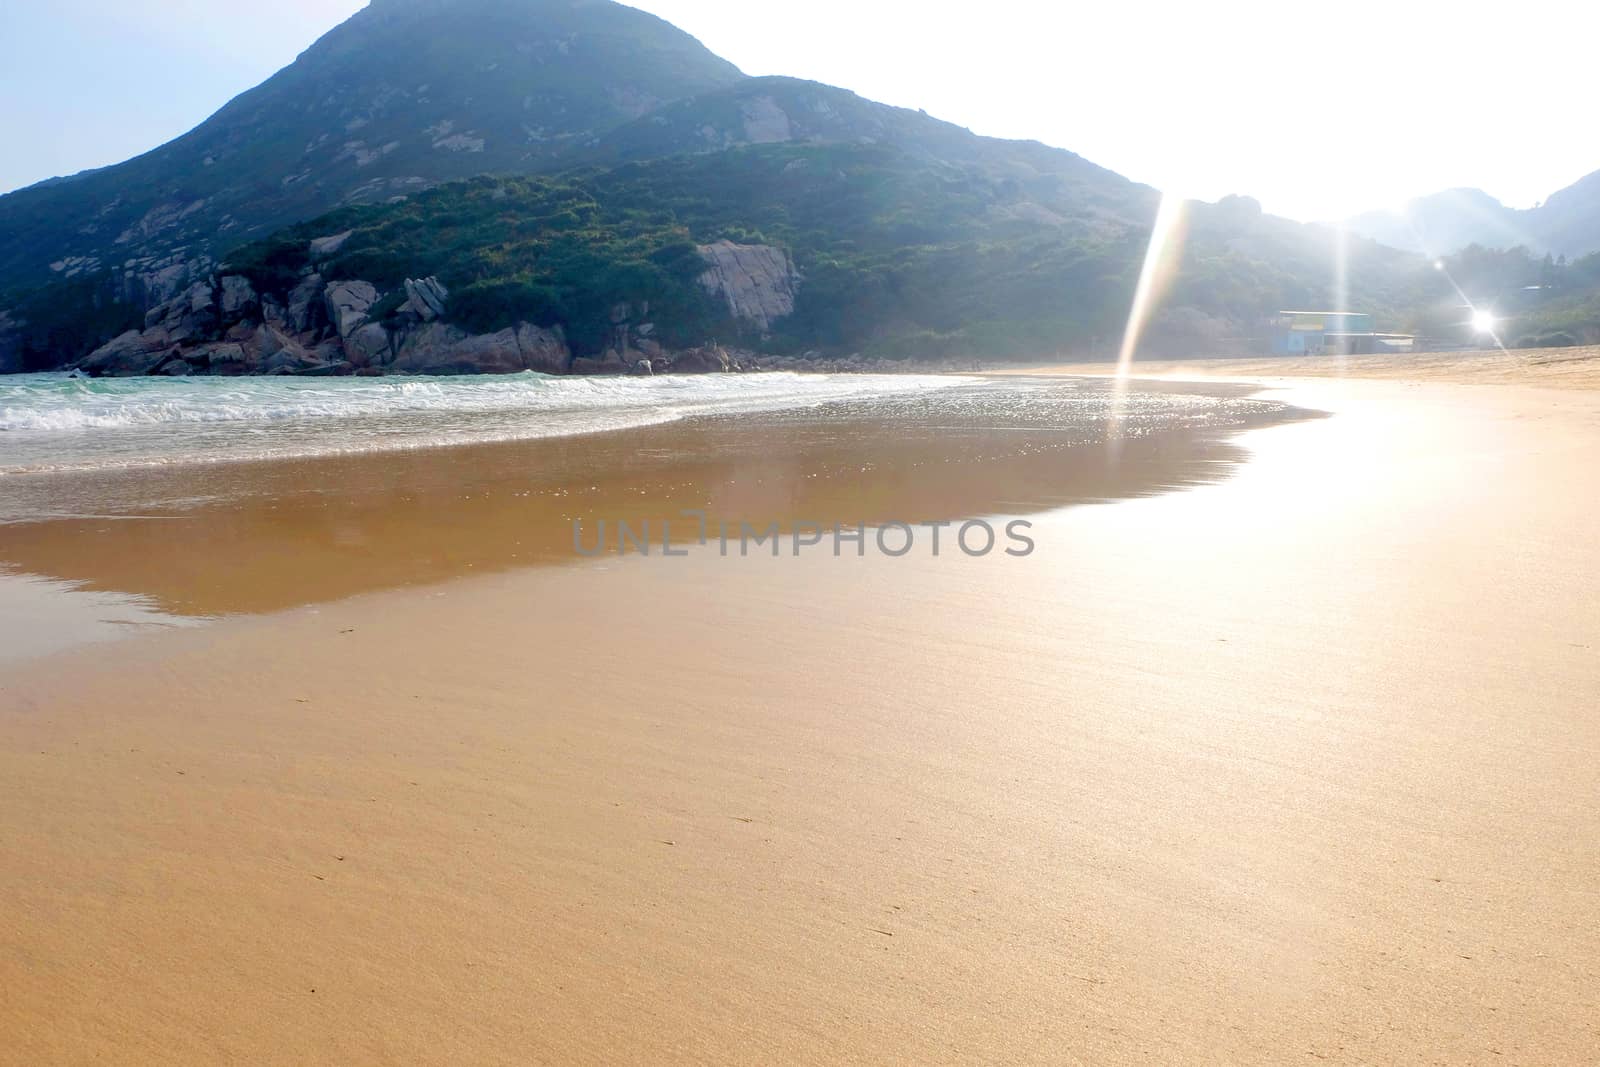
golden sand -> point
(1551, 368)
(1298, 766)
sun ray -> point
(1160, 264)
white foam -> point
(52, 422)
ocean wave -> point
(50, 421)
(58, 403)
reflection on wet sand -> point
(252, 537)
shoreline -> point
(315, 529)
(1294, 762)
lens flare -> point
(1160, 263)
(1161, 257)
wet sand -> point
(1297, 764)
(230, 538)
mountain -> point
(404, 94)
(791, 110)
(572, 184)
(716, 260)
(1567, 224)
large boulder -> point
(610, 362)
(543, 350)
(152, 280)
(348, 303)
(323, 247)
(131, 353)
(271, 351)
(425, 298)
(484, 353)
(223, 358)
(711, 359)
(368, 346)
(427, 349)
(756, 282)
(238, 298)
(305, 310)
(189, 317)
(439, 348)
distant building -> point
(1313, 333)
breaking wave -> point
(53, 422)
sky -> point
(1317, 109)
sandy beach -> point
(1281, 747)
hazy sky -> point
(1318, 109)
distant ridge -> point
(1567, 224)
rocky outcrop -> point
(425, 298)
(710, 359)
(275, 352)
(757, 282)
(131, 353)
(150, 280)
(237, 298)
(324, 247)
(222, 325)
(439, 348)
(369, 345)
(544, 350)
(348, 304)
(305, 310)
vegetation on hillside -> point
(1538, 301)
(901, 255)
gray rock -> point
(425, 298)
(130, 353)
(238, 298)
(269, 350)
(323, 247)
(368, 346)
(201, 297)
(190, 316)
(305, 310)
(757, 282)
(543, 350)
(439, 348)
(151, 280)
(708, 360)
(273, 312)
(348, 303)
(427, 349)
(223, 357)
(765, 122)
(487, 353)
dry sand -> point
(1297, 766)
(1555, 368)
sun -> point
(1482, 322)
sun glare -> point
(1482, 322)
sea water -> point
(50, 422)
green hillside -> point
(901, 254)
